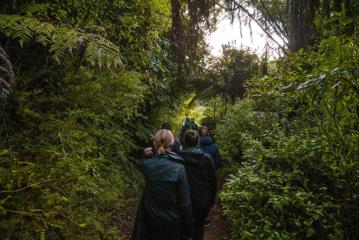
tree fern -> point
(6, 74)
(61, 40)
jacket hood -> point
(206, 141)
(192, 155)
(169, 155)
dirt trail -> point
(218, 228)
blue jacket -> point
(209, 147)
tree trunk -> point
(178, 34)
(348, 12)
(326, 8)
(350, 28)
(337, 5)
(301, 29)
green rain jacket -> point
(164, 212)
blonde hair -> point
(163, 140)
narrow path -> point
(218, 227)
(217, 230)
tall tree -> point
(228, 74)
(293, 21)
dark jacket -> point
(202, 178)
(165, 208)
(176, 148)
(209, 147)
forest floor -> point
(217, 230)
(218, 227)
(126, 220)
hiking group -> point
(180, 184)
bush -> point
(266, 204)
(296, 135)
(70, 173)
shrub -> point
(296, 136)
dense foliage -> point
(84, 83)
(90, 78)
(296, 138)
(230, 73)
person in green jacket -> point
(189, 124)
(165, 211)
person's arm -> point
(185, 201)
(149, 149)
(218, 158)
(212, 178)
(148, 152)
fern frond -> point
(102, 54)
(64, 43)
(62, 40)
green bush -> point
(264, 204)
(70, 174)
(89, 75)
(296, 137)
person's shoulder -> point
(147, 160)
(145, 163)
(214, 145)
(176, 158)
(176, 162)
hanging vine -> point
(189, 19)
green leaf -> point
(310, 232)
(83, 225)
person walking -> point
(176, 148)
(165, 211)
(207, 145)
(149, 150)
(187, 125)
(202, 180)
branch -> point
(46, 214)
(277, 28)
(238, 6)
(61, 214)
(23, 213)
(29, 186)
